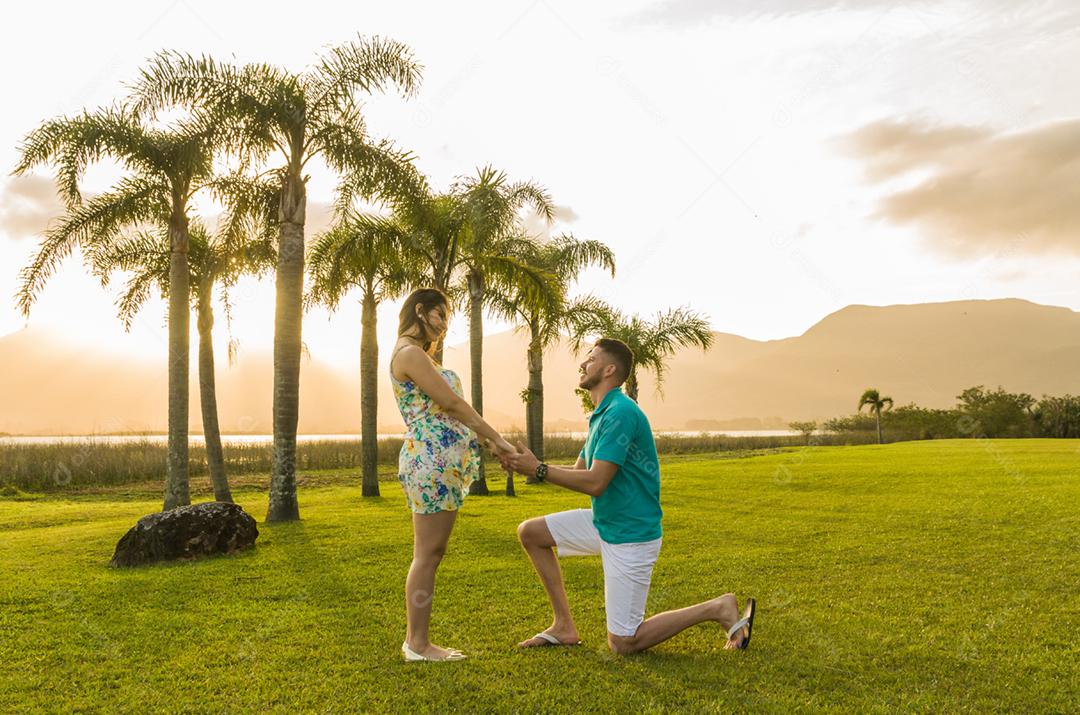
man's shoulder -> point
(625, 408)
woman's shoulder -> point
(407, 355)
(405, 347)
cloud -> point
(319, 218)
(27, 204)
(690, 12)
(976, 191)
(536, 226)
(687, 13)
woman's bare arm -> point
(414, 363)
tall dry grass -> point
(70, 465)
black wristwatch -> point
(541, 472)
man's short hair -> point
(621, 355)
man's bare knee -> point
(534, 533)
(623, 645)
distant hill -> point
(924, 353)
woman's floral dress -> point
(440, 457)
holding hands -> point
(513, 459)
(499, 447)
(523, 461)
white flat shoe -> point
(412, 656)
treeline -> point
(979, 412)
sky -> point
(765, 163)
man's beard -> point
(588, 383)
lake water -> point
(267, 439)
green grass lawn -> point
(927, 576)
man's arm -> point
(592, 481)
(587, 481)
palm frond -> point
(246, 105)
(363, 65)
(571, 256)
(360, 251)
(131, 203)
(76, 142)
(526, 193)
(141, 251)
(251, 206)
(371, 171)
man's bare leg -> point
(723, 610)
(539, 544)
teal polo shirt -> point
(629, 509)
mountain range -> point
(923, 353)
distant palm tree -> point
(875, 402)
(299, 116)
(492, 257)
(565, 257)
(364, 252)
(428, 226)
(652, 342)
(213, 261)
(164, 168)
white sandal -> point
(550, 640)
(412, 656)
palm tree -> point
(213, 260)
(363, 252)
(876, 402)
(428, 226)
(652, 342)
(266, 110)
(492, 253)
(565, 257)
(164, 169)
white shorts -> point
(627, 567)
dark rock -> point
(187, 532)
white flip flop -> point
(746, 622)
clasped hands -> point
(513, 459)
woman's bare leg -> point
(431, 532)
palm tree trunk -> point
(534, 409)
(441, 280)
(510, 484)
(877, 413)
(215, 455)
(176, 470)
(369, 399)
(632, 386)
(288, 311)
(476, 363)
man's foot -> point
(434, 652)
(727, 614)
(552, 637)
(740, 638)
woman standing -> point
(439, 458)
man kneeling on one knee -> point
(619, 470)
